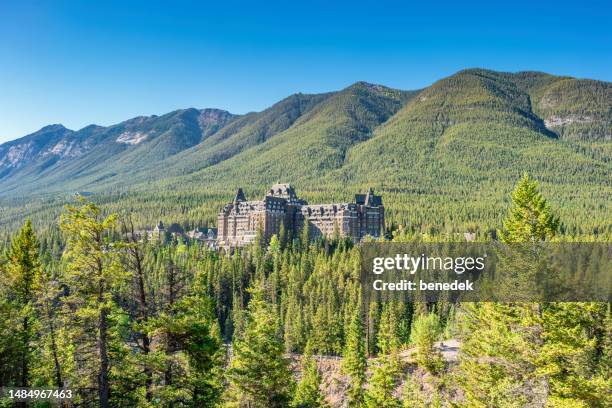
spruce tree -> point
(139, 298)
(9, 351)
(386, 372)
(53, 338)
(23, 269)
(197, 336)
(503, 342)
(308, 392)
(372, 327)
(259, 373)
(425, 332)
(530, 218)
(294, 332)
(94, 272)
(573, 354)
(354, 362)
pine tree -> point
(274, 247)
(52, 340)
(372, 327)
(93, 270)
(23, 269)
(203, 345)
(425, 332)
(197, 335)
(572, 354)
(499, 354)
(386, 372)
(259, 373)
(530, 218)
(354, 362)
(503, 342)
(308, 392)
(9, 351)
(173, 289)
(135, 263)
(293, 333)
(305, 236)
(388, 339)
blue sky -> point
(77, 63)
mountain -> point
(56, 156)
(444, 156)
(53, 141)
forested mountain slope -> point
(444, 157)
(95, 153)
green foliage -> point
(93, 271)
(572, 354)
(418, 148)
(169, 306)
(383, 383)
(502, 341)
(528, 353)
(308, 392)
(387, 369)
(413, 394)
(388, 339)
(498, 357)
(191, 327)
(259, 373)
(531, 218)
(120, 322)
(425, 332)
(354, 363)
(22, 272)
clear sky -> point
(77, 63)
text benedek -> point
(435, 286)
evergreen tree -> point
(9, 350)
(305, 236)
(386, 372)
(170, 365)
(259, 373)
(503, 342)
(139, 298)
(354, 362)
(274, 247)
(498, 356)
(203, 345)
(425, 332)
(388, 339)
(530, 218)
(572, 355)
(372, 327)
(23, 268)
(196, 334)
(53, 336)
(308, 392)
(93, 270)
(294, 332)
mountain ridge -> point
(467, 137)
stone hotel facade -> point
(240, 219)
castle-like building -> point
(240, 219)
